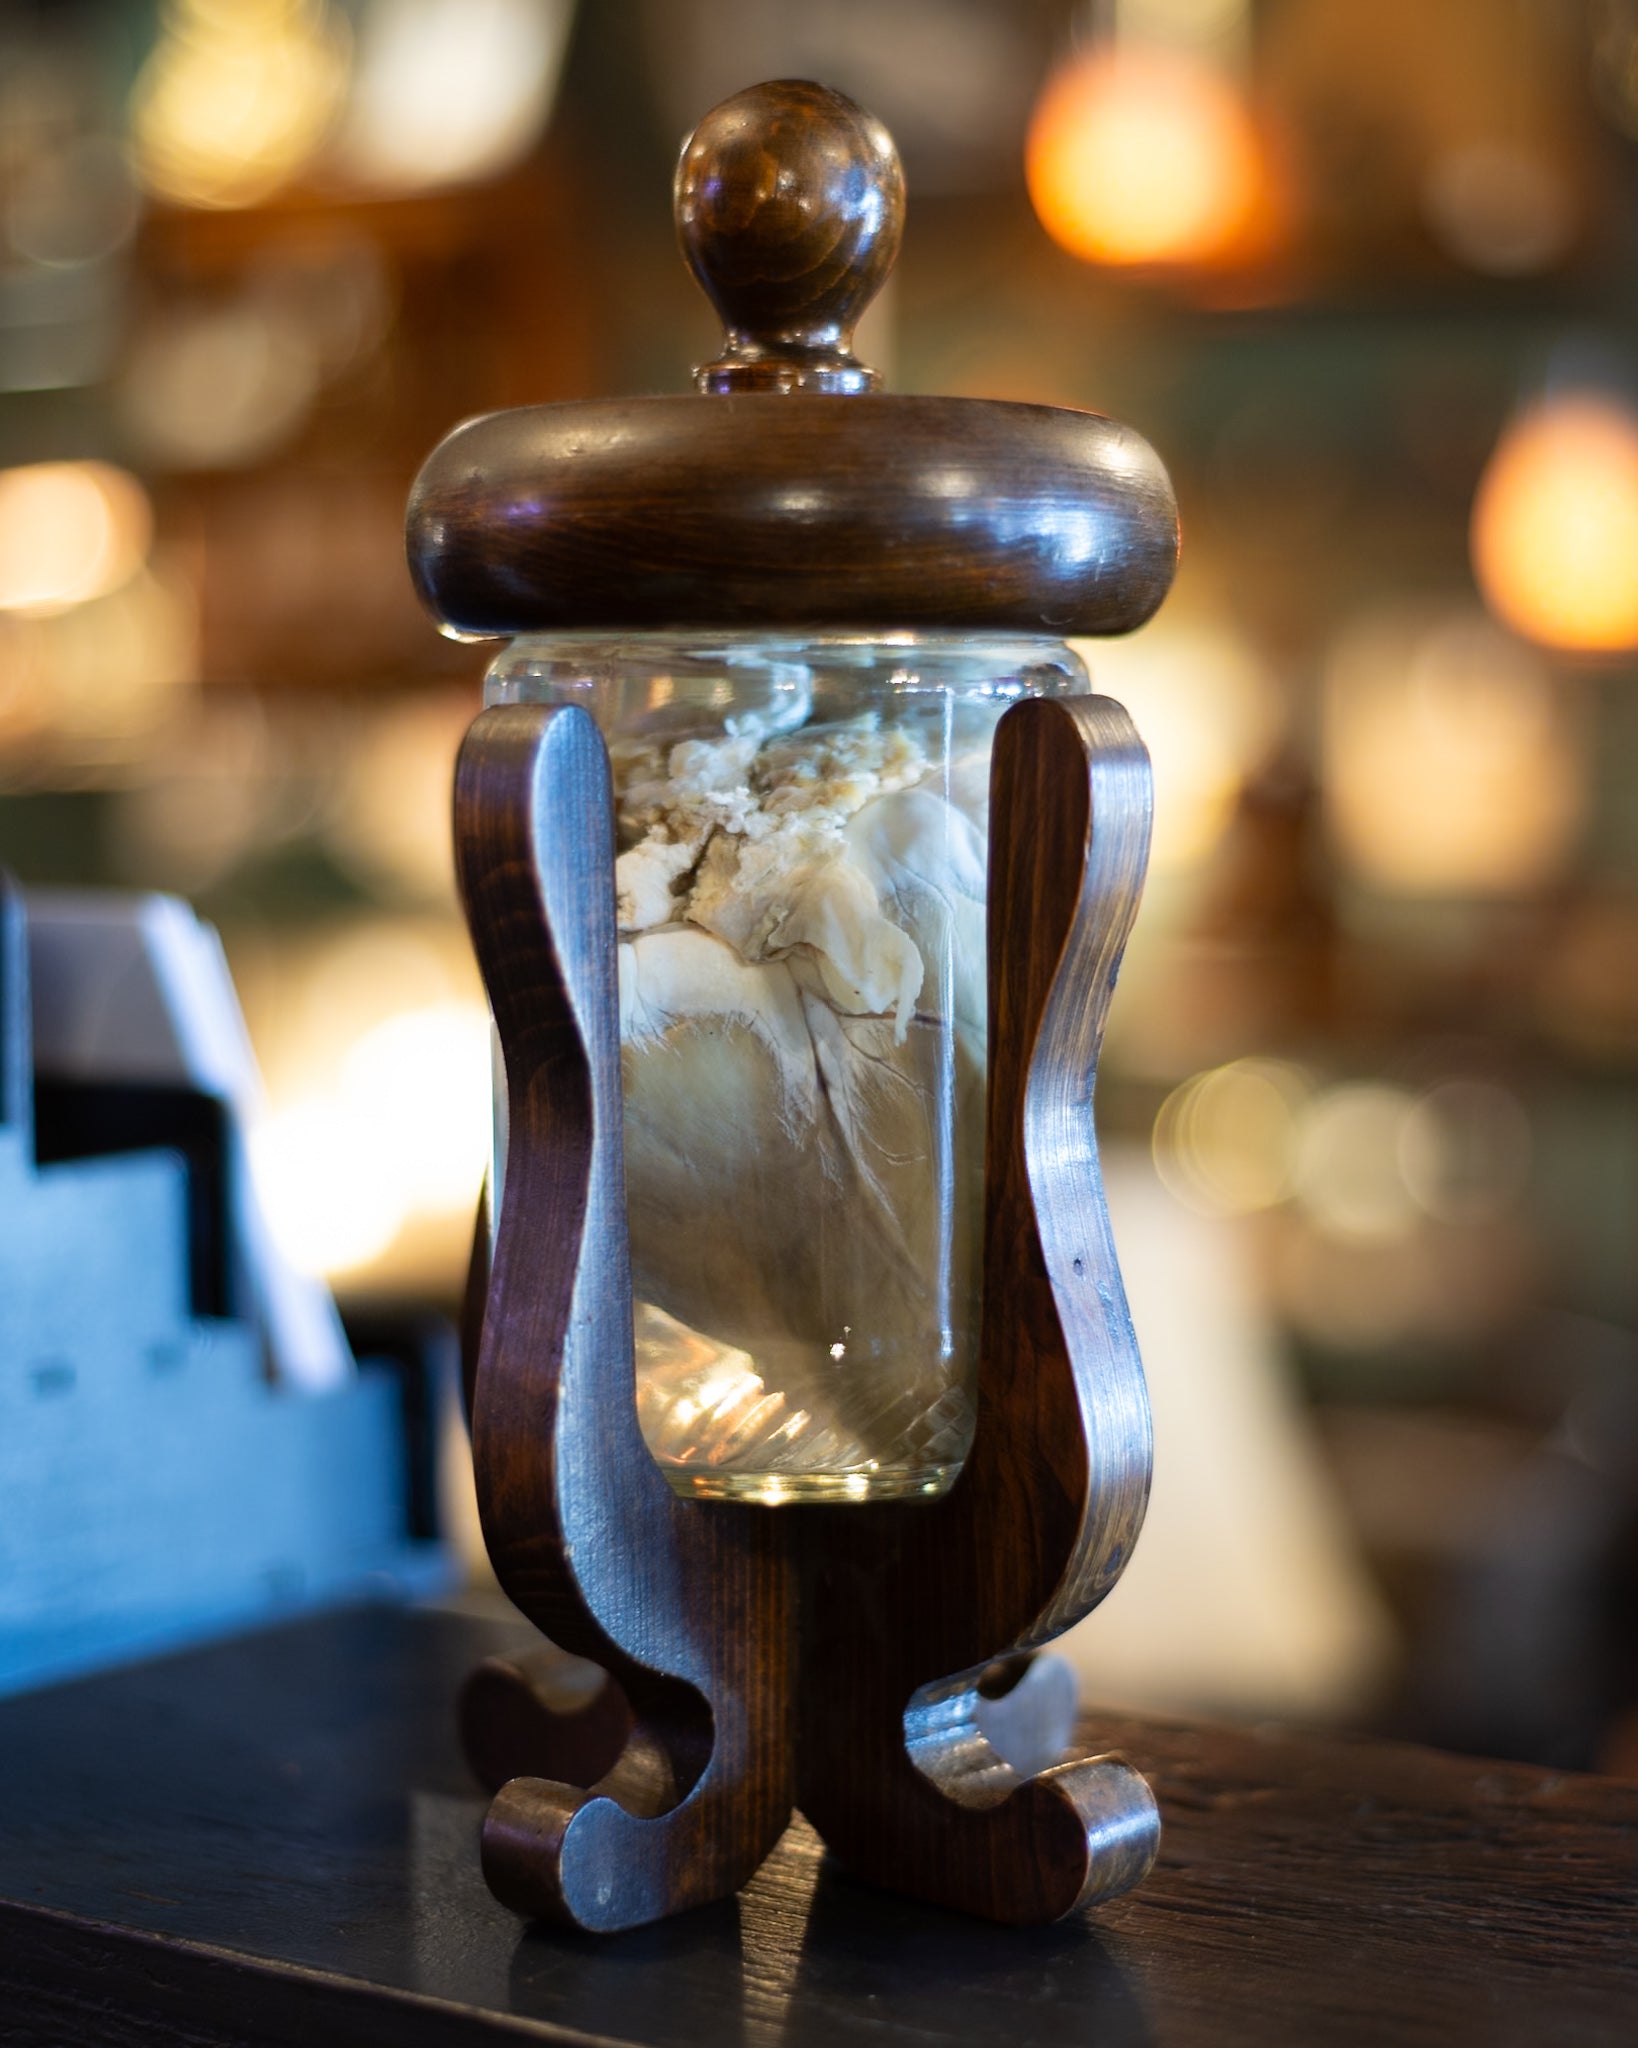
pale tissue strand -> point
(926, 859)
(682, 976)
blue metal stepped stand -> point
(155, 1485)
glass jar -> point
(802, 843)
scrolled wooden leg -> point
(542, 1714)
(902, 1772)
(983, 1764)
(554, 1851)
(686, 1607)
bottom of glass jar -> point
(791, 1489)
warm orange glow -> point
(236, 99)
(376, 1051)
(1453, 765)
(69, 532)
(1143, 156)
(1555, 525)
(447, 90)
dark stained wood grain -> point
(274, 1841)
(687, 1611)
(779, 500)
(1046, 1510)
(790, 204)
(807, 512)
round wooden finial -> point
(771, 506)
(790, 203)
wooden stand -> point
(844, 1659)
(867, 1662)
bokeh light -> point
(1453, 764)
(69, 532)
(449, 90)
(375, 1047)
(1500, 207)
(217, 384)
(1555, 525)
(1225, 1142)
(391, 824)
(1348, 1175)
(236, 99)
(1143, 155)
(109, 674)
(400, 1135)
(73, 204)
(330, 1209)
(1465, 1151)
(1208, 712)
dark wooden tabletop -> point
(274, 1841)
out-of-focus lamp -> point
(1555, 525)
(449, 90)
(376, 1055)
(236, 100)
(1141, 154)
(1453, 765)
(69, 532)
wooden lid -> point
(789, 494)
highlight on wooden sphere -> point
(1143, 156)
(1555, 525)
(789, 205)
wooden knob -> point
(790, 203)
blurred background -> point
(1364, 272)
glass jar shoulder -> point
(677, 686)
